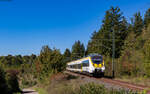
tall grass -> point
(41, 91)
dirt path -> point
(29, 91)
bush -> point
(12, 81)
(108, 65)
(49, 61)
(92, 88)
(9, 82)
(146, 51)
(3, 84)
(27, 80)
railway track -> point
(122, 84)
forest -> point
(132, 53)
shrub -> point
(3, 83)
(12, 81)
(92, 88)
(146, 51)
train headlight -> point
(103, 68)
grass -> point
(41, 90)
(135, 80)
(17, 93)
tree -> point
(146, 52)
(49, 61)
(137, 23)
(147, 18)
(78, 50)
(95, 44)
(67, 55)
(101, 41)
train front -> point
(98, 64)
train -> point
(92, 65)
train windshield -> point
(97, 59)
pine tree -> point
(101, 41)
(67, 55)
(49, 61)
(95, 44)
(78, 50)
(147, 58)
(137, 24)
(147, 18)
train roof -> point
(90, 55)
(79, 60)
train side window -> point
(79, 66)
(76, 66)
(85, 63)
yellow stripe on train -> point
(97, 65)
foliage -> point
(66, 57)
(41, 90)
(137, 23)
(67, 53)
(147, 18)
(8, 82)
(101, 41)
(146, 52)
(12, 81)
(17, 66)
(135, 55)
(16, 61)
(49, 61)
(3, 83)
(78, 50)
(92, 88)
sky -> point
(27, 25)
